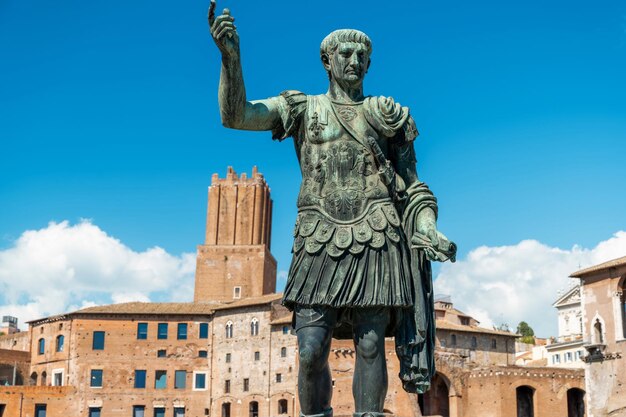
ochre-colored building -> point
(603, 295)
(231, 352)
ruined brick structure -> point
(235, 261)
(231, 353)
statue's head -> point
(345, 54)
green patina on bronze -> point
(366, 227)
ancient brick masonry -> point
(235, 261)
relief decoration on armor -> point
(314, 231)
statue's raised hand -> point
(224, 32)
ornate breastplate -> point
(340, 176)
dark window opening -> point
(204, 331)
(254, 409)
(525, 405)
(282, 407)
(142, 331)
(98, 340)
(181, 334)
(140, 378)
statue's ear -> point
(326, 61)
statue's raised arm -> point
(235, 110)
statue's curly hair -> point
(330, 42)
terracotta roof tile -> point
(446, 325)
(596, 268)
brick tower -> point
(235, 260)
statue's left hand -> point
(435, 244)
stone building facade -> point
(231, 352)
(603, 296)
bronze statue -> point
(366, 226)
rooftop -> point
(600, 267)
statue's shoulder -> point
(292, 106)
(389, 118)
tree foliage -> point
(527, 332)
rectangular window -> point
(139, 410)
(140, 378)
(180, 379)
(204, 331)
(57, 378)
(199, 382)
(98, 340)
(285, 329)
(237, 292)
(279, 377)
(161, 353)
(159, 412)
(228, 358)
(181, 334)
(203, 354)
(257, 356)
(94, 411)
(160, 379)
(568, 357)
(96, 378)
(40, 410)
(142, 331)
(246, 384)
(162, 331)
(227, 386)
(179, 412)
(556, 359)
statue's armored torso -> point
(343, 203)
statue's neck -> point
(345, 93)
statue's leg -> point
(369, 385)
(314, 327)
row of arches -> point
(253, 408)
(436, 401)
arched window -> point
(283, 352)
(254, 409)
(44, 378)
(33, 379)
(453, 340)
(575, 403)
(282, 407)
(229, 329)
(60, 343)
(254, 327)
(525, 402)
(41, 346)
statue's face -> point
(349, 63)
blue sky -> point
(108, 112)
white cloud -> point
(508, 284)
(65, 267)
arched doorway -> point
(436, 401)
(254, 409)
(33, 379)
(575, 402)
(525, 401)
(44, 379)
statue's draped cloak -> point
(362, 255)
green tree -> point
(527, 332)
